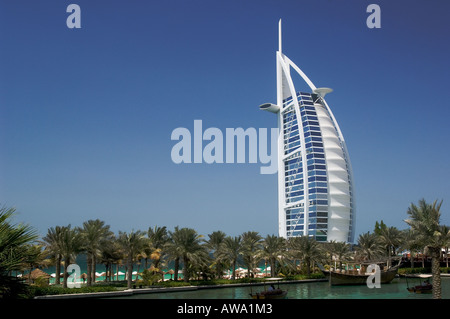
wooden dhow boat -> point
(359, 277)
(424, 288)
(271, 293)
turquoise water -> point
(314, 290)
(115, 278)
(81, 262)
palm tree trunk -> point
(177, 267)
(272, 267)
(94, 267)
(308, 267)
(446, 257)
(129, 271)
(66, 264)
(185, 268)
(389, 258)
(138, 267)
(58, 270)
(109, 272)
(89, 270)
(435, 263)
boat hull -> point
(353, 279)
(428, 289)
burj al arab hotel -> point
(315, 183)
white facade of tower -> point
(315, 183)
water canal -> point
(311, 290)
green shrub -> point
(445, 270)
(149, 277)
(51, 290)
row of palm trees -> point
(210, 257)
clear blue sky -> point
(86, 114)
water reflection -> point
(315, 290)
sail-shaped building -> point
(315, 183)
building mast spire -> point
(279, 36)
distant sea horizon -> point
(81, 261)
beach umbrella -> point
(256, 270)
(170, 272)
(83, 276)
(38, 273)
(240, 270)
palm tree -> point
(52, 241)
(391, 238)
(158, 238)
(411, 243)
(13, 239)
(110, 253)
(173, 249)
(70, 245)
(338, 251)
(215, 246)
(94, 235)
(132, 244)
(231, 251)
(251, 250)
(305, 248)
(274, 249)
(424, 220)
(186, 245)
(369, 247)
(35, 256)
